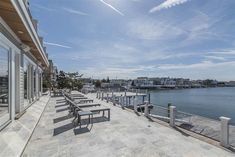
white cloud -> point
(57, 45)
(43, 7)
(201, 65)
(223, 71)
(150, 29)
(69, 10)
(113, 8)
(115, 72)
(228, 52)
(215, 58)
(167, 4)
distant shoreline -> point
(160, 89)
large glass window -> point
(26, 84)
(34, 83)
(39, 82)
(4, 85)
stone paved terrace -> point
(15, 136)
(127, 134)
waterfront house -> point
(22, 59)
(143, 82)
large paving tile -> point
(126, 134)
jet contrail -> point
(112, 7)
(58, 45)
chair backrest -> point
(71, 102)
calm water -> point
(207, 102)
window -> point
(4, 86)
(34, 83)
(26, 85)
(39, 82)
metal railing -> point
(214, 129)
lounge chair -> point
(82, 110)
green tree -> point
(77, 84)
(69, 80)
(132, 83)
(63, 81)
(103, 81)
(46, 78)
(97, 84)
(108, 80)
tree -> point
(63, 81)
(69, 80)
(97, 84)
(132, 83)
(46, 78)
(208, 82)
(77, 84)
(108, 80)
(103, 81)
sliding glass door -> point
(4, 86)
(26, 83)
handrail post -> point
(102, 96)
(107, 99)
(135, 103)
(224, 139)
(168, 109)
(149, 98)
(112, 96)
(125, 99)
(172, 116)
(146, 108)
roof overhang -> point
(18, 18)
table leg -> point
(89, 120)
(79, 119)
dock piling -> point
(224, 139)
(146, 109)
(172, 116)
(135, 103)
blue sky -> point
(130, 38)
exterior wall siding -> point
(16, 73)
(21, 86)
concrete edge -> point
(21, 154)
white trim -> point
(29, 60)
(9, 29)
(29, 26)
(7, 117)
(12, 50)
(7, 42)
(12, 84)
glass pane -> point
(39, 82)
(26, 102)
(4, 86)
(34, 82)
